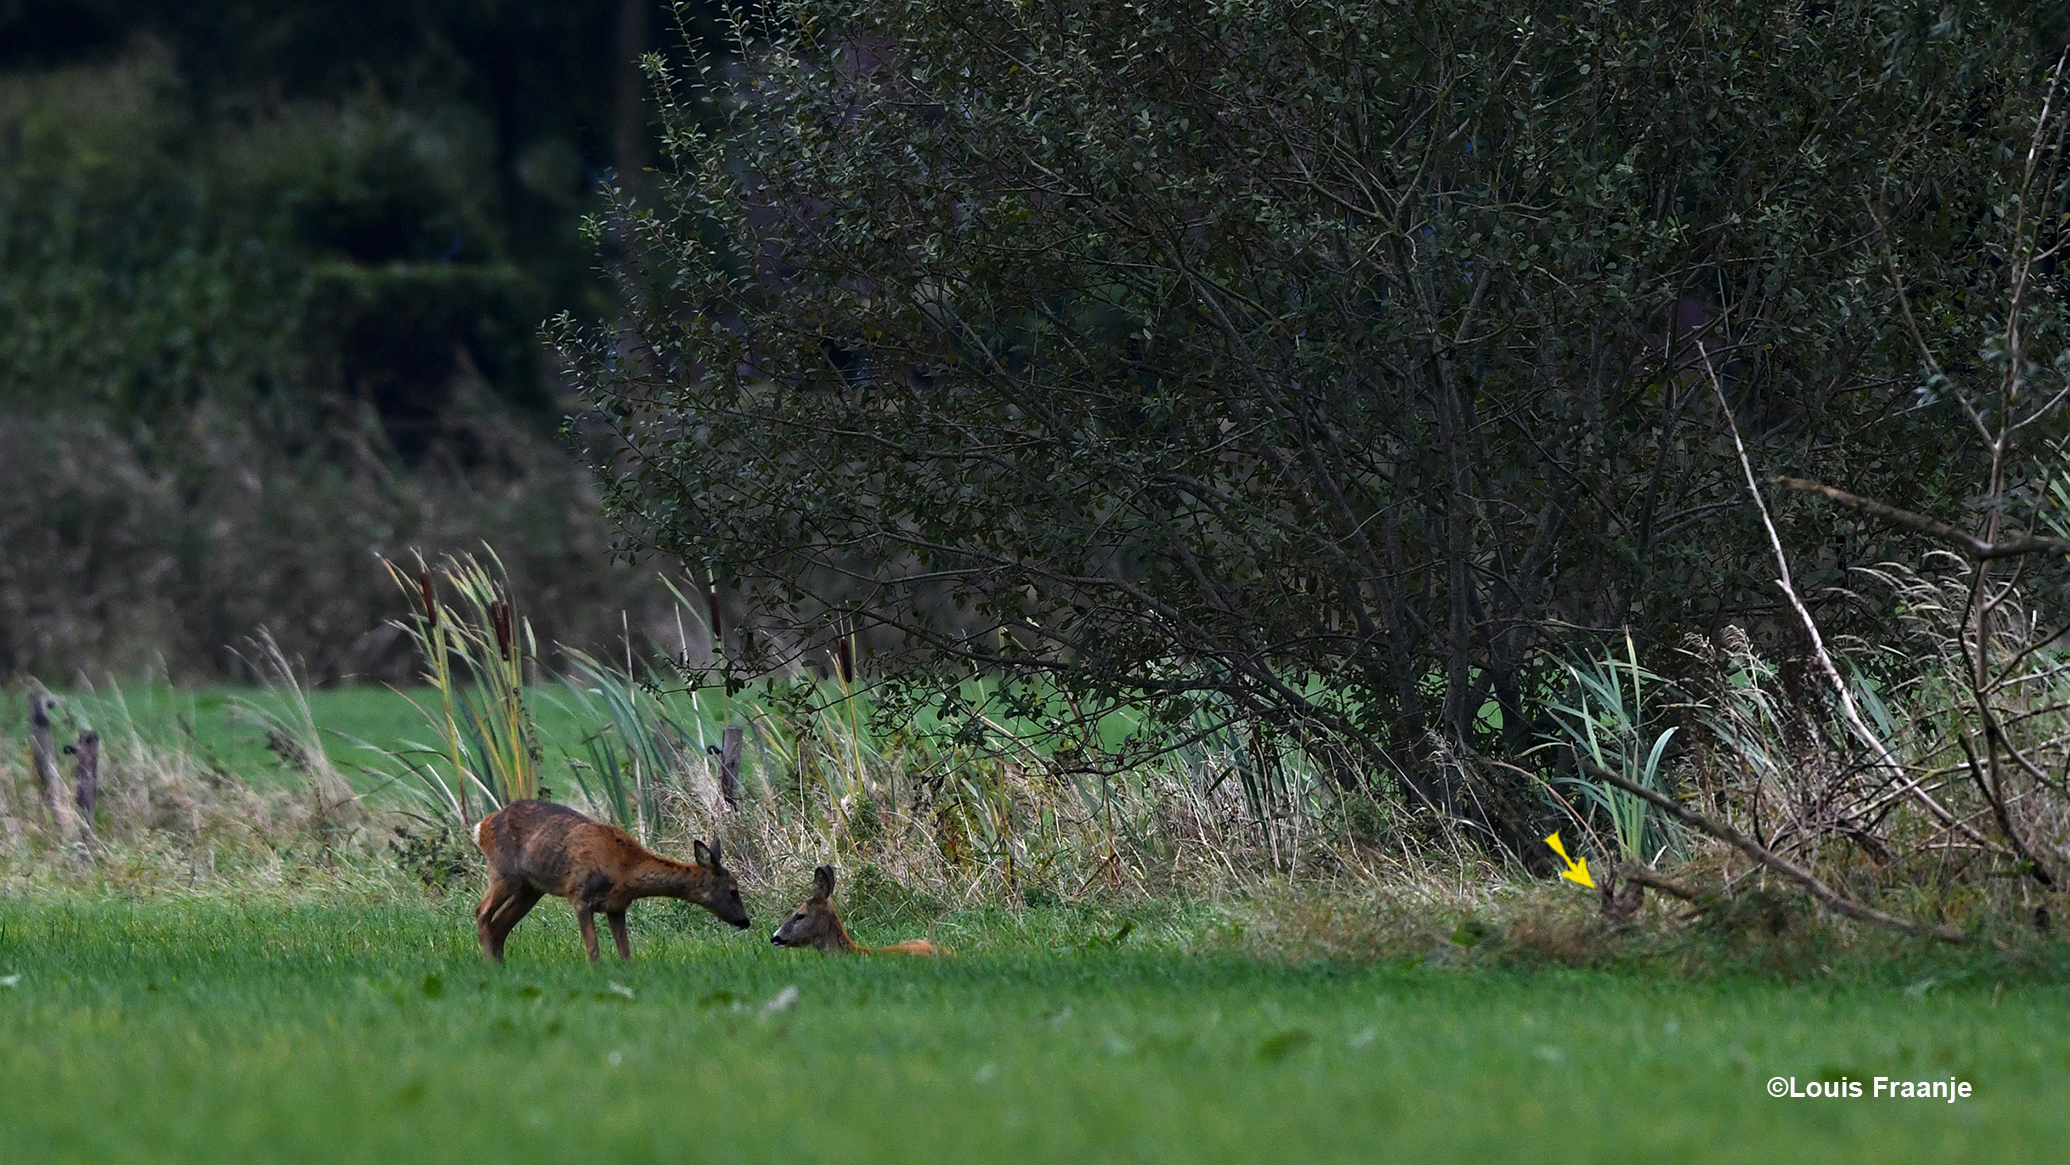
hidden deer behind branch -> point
(535, 848)
(816, 924)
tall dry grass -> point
(972, 810)
(168, 819)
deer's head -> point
(719, 892)
(814, 923)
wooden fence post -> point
(729, 765)
(64, 819)
(43, 750)
(87, 752)
(11, 838)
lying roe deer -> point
(815, 924)
(537, 848)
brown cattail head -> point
(844, 653)
(430, 596)
(499, 616)
(711, 607)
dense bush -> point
(1327, 364)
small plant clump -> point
(437, 857)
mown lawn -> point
(205, 1030)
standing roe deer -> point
(537, 848)
(815, 924)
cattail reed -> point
(499, 618)
(711, 607)
(844, 652)
(476, 662)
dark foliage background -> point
(1335, 366)
(271, 276)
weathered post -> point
(10, 829)
(87, 789)
(729, 765)
(43, 750)
(64, 819)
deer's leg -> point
(513, 912)
(586, 917)
(618, 935)
(498, 894)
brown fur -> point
(816, 924)
(536, 848)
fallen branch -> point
(1623, 888)
(1651, 880)
(1934, 528)
(1781, 865)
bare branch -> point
(1645, 877)
(1840, 690)
(1932, 527)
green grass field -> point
(211, 722)
(216, 724)
(203, 1030)
(251, 1023)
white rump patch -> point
(478, 832)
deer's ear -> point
(705, 857)
(716, 864)
(823, 883)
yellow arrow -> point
(1577, 868)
